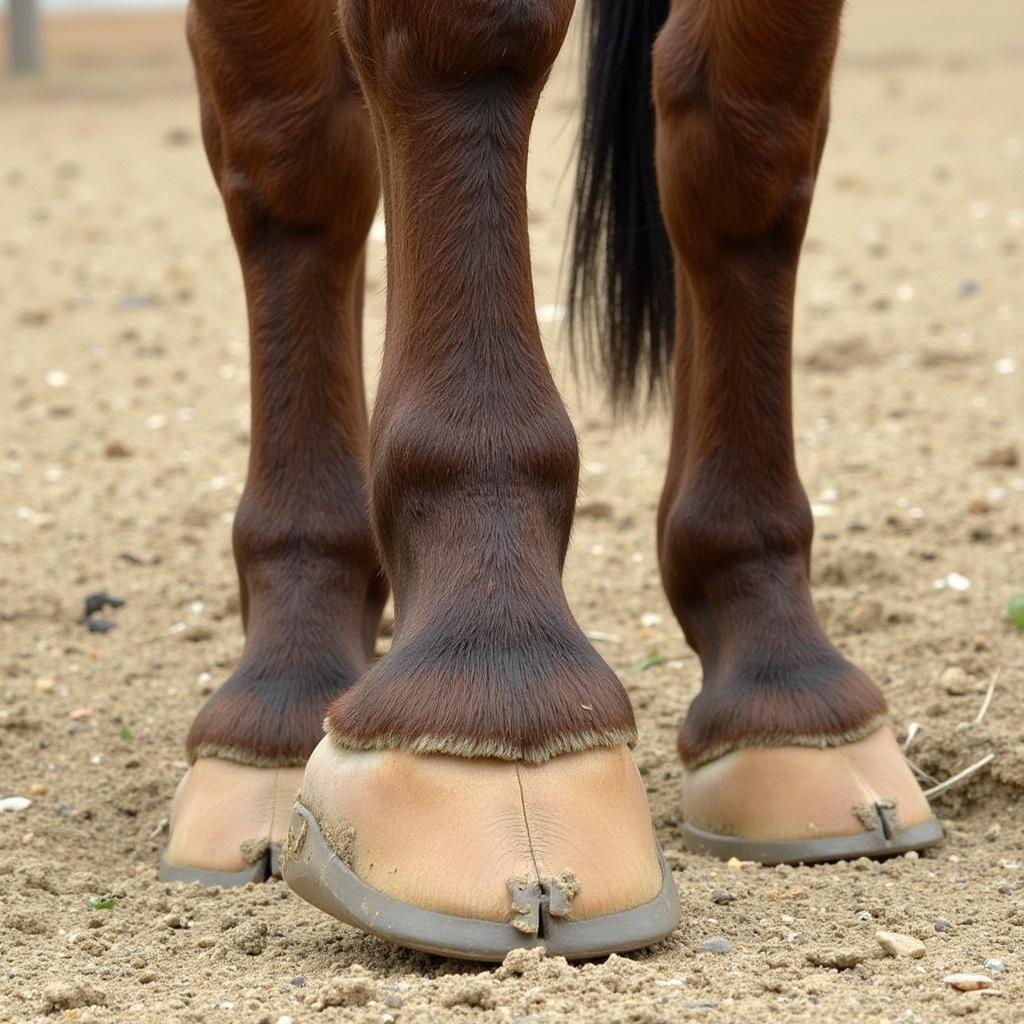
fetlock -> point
(311, 605)
(771, 677)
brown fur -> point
(290, 147)
(474, 463)
(466, 483)
(741, 94)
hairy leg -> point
(491, 730)
(292, 152)
(741, 91)
(474, 462)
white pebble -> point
(57, 379)
(896, 944)
(954, 581)
(15, 803)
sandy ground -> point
(124, 433)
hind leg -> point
(787, 741)
(291, 149)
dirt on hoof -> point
(123, 447)
(340, 838)
(254, 850)
(868, 814)
(568, 883)
(294, 840)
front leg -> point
(291, 150)
(787, 741)
(477, 780)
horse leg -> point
(787, 740)
(292, 153)
(491, 732)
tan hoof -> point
(226, 814)
(793, 804)
(470, 857)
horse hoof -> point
(227, 823)
(790, 805)
(473, 858)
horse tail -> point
(621, 301)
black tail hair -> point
(621, 294)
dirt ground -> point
(123, 438)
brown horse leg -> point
(292, 152)
(454, 736)
(741, 92)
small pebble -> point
(968, 982)
(718, 946)
(896, 944)
(735, 864)
(97, 602)
(15, 803)
(722, 897)
(942, 925)
(98, 625)
(955, 681)
(995, 966)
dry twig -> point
(959, 777)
